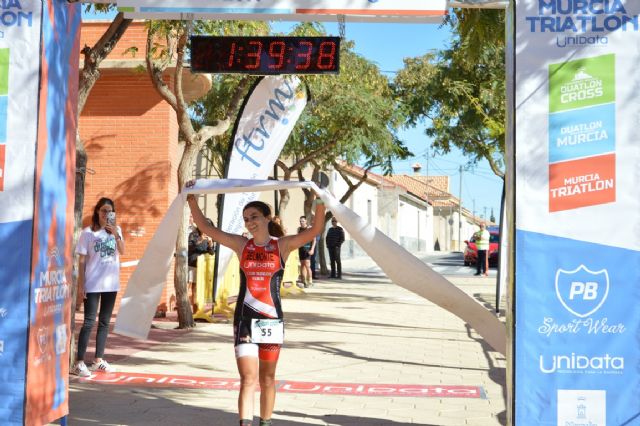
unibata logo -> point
(576, 363)
(581, 291)
(11, 14)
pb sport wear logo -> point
(581, 291)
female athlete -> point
(258, 325)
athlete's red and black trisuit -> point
(261, 270)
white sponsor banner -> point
(19, 78)
(266, 121)
(577, 264)
(148, 280)
(292, 10)
(578, 152)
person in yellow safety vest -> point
(482, 243)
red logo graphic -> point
(580, 183)
(286, 386)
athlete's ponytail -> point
(275, 229)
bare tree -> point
(158, 58)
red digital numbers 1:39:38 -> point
(265, 55)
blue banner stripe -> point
(272, 11)
(14, 303)
(576, 314)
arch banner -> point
(577, 289)
(288, 10)
(39, 49)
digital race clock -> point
(265, 55)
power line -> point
(493, 179)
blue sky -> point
(387, 45)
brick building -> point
(131, 138)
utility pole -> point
(474, 210)
(427, 170)
(485, 213)
(460, 212)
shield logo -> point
(581, 291)
(43, 339)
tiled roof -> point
(418, 186)
(439, 182)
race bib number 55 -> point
(267, 331)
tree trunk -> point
(81, 173)
(324, 270)
(95, 55)
(285, 197)
(185, 313)
(183, 306)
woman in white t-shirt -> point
(99, 248)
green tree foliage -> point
(167, 47)
(459, 92)
(350, 116)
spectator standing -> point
(99, 248)
(198, 244)
(304, 254)
(482, 238)
(334, 239)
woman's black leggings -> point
(106, 301)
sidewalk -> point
(359, 351)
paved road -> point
(360, 351)
(452, 264)
(445, 263)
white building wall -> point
(414, 230)
(428, 219)
(388, 211)
(468, 229)
(444, 226)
